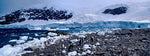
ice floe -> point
(24, 37)
(52, 34)
(18, 49)
(14, 40)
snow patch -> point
(81, 36)
(63, 51)
(74, 53)
(97, 43)
(74, 40)
(83, 53)
(86, 46)
(88, 51)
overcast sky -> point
(7, 6)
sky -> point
(7, 6)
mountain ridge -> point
(35, 14)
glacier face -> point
(79, 27)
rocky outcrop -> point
(125, 42)
(116, 11)
(35, 14)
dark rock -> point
(35, 14)
(28, 54)
(81, 42)
(100, 53)
(70, 48)
(123, 32)
(109, 44)
(143, 39)
(116, 11)
(92, 39)
(59, 33)
(21, 20)
(28, 49)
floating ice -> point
(36, 34)
(52, 34)
(30, 37)
(23, 38)
(20, 41)
(16, 50)
(14, 40)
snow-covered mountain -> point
(35, 14)
(80, 12)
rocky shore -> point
(124, 42)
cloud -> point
(7, 6)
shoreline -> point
(135, 42)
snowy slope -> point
(92, 11)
